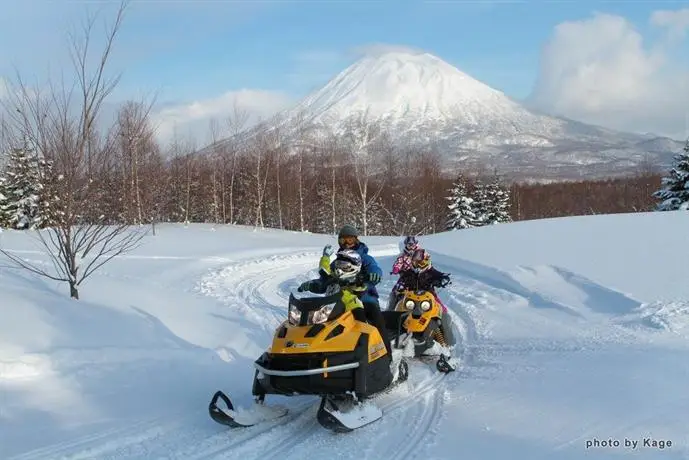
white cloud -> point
(676, 21)
(193, 119)
(600, 71)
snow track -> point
(256, 291)
(260, 288)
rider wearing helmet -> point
(345, 271)
(368, 276)
(423, 276)
(401, 264)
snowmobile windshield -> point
(314, 310)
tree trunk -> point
(333, 195)
(277, 178)
(73, 291)
(301, 190)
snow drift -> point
(573, 335)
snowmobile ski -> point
(242, 418)
(343, 414)
(346, 416)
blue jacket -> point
(368, 265)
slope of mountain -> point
(421, 99)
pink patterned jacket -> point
(402, 263)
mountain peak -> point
(405, 84)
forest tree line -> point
(313, 185)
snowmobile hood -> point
(421, 307)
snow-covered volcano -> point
(421, 99)
(420, 92)
(401, 86)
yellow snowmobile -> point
(418, 317)
(324, 348)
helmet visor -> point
(421, 263)
(345, 268)
(347, 241)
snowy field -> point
(575, 334)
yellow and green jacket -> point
(350, 294)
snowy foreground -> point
(575, 334)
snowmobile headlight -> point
(321, 315)
(293, 315)
(409, 304)
(425, 305)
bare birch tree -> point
(236, 124)
(363, 135)
(216, 160)
(136, 143)
(76, 246)
(274, 149)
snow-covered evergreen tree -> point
(674, 194)
(23, 187)
(481, 204)
(461, 206)
(28, 203)
(497, 204)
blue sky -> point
(197, 50)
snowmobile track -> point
(96, 444)
(245, 285)
(432, 393)
(423, 425)
(241, 439)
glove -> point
(328, 250)
(305, 286)
(374, 278)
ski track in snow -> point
(423, 403)
(258, 290)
